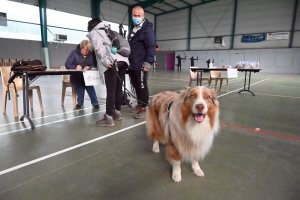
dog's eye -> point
(207, 97)
(192, 96)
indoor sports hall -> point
(63, 155)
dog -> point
(186, 122)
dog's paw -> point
(176, 177)
(176, 170)
(155, 150)
(155, 147)
(196, 169)
(199, 172)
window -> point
(20, 25)
(26, 25)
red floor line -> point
(262, 132)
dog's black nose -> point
(200, 107)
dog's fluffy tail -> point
(153, 127)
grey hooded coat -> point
(102, 45)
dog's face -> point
(199, 102)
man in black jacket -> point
(142, 43)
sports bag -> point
(119, 42)
(33, 65)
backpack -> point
(33, 65)
(119, 42)
(21, 65)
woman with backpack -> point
(113, 66)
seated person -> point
(81, 59)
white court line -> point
(84, 143)
(42, 117)
(243, 87)
(50, 116)
(67, 149)
(62, 120)
(171, 83)
(93, 113)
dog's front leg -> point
(155, 147)
(196, 168)
(176, 170)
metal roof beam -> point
(146, 4)
(158, 8)
(234, 22)
(185, 2)
(124, 4)
(130, 6)
(293, 24)
(189, 29)
(170, 5)
(187, 7)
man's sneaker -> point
(141, 113)
(117, 115)
(96, 107)
(135, 109)
(79, 107)
(107, 121)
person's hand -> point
(145, 69)
(78, 67)
(110, 65)
(87, 68)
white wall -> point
(217, 19)
(284, 60)
(109, 10)
(208, 20)
(58, 53)
(27, 49)
(78, 7)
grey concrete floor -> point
(256, 155)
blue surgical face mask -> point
(137, 21)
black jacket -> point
(142, 46)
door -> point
(170, 61)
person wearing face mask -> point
(81, 59)
(142, 43)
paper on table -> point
(91, 78)
(232, 73)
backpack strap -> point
(109, 33)
(103, 29)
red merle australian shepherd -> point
(186, 122)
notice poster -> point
(218, 40)
(91, 78)
(232, 73)
(278, 36)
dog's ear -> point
(214, 97)
(186, 87)
(185, 92)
